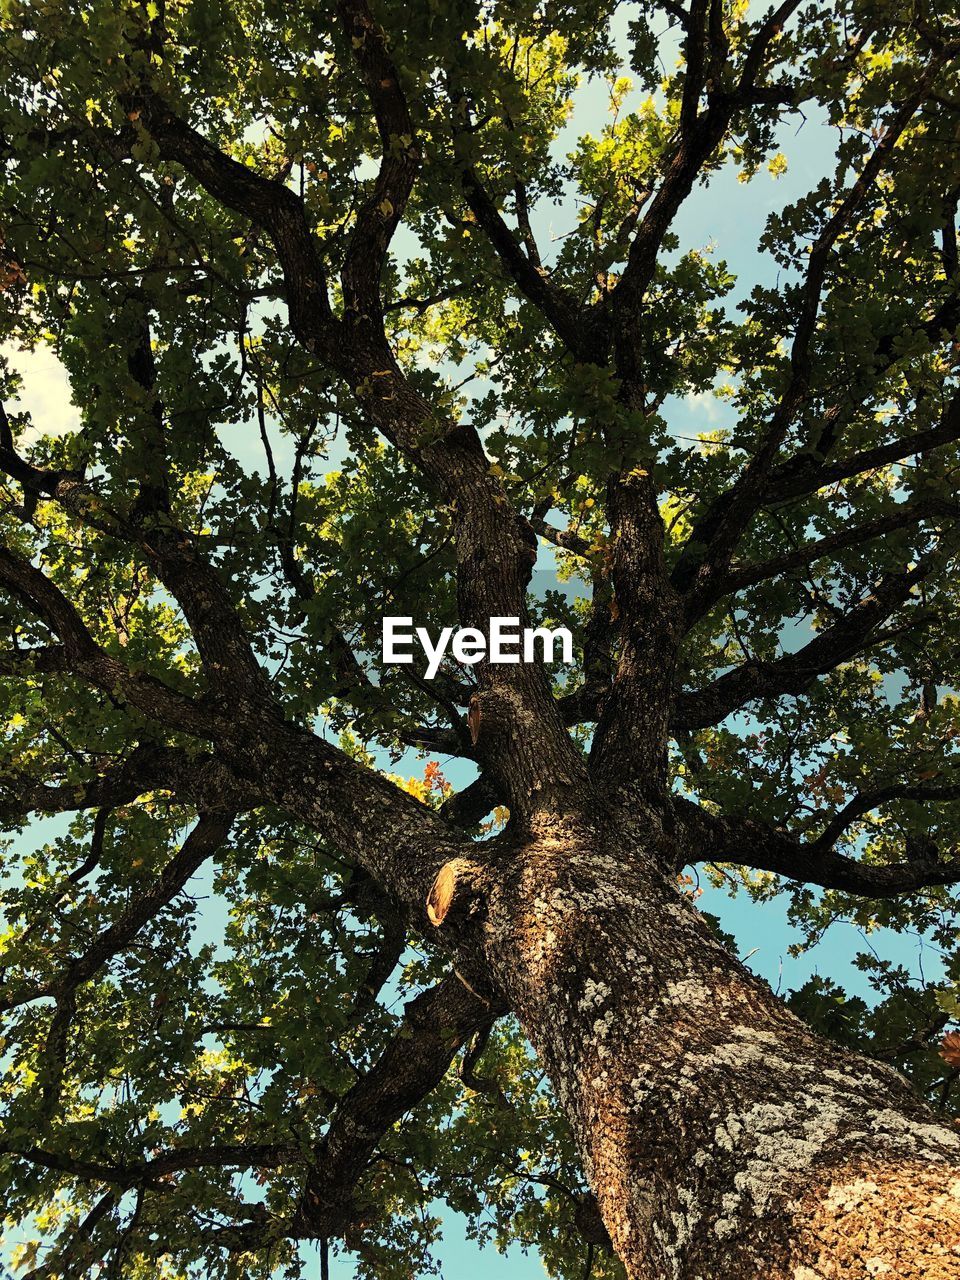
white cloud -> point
(705, 406)
(45, 391)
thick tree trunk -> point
(723, 1139)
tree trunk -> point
(722, 1138)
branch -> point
(86, 660)
(714, 537)
(578, 332)
(628, 748)
(809, 471)
(496, 548)
(268, 203)
(866, 801)
(803, 475)
(80, 1237)
(406, 842)
(43, 660)
(470, 806)
(675, 10)
(563, 538)
(795, 672)
(740, 576)
(435, 1026)
(150, 1172)
(206, 837)
(224, 648)
(201, 779)
(229, 663)
(263, 757)
(763, 847)
(694, 49)
(380, 215)
(700, 135)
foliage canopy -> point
(186, 1014)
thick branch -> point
(436, 1025)
(268, 203)
(148, 767)
(581, 334)
(380, 215)
(909, 514)
(795, 672)
(759, 845)
(495, 554)
(206, 837)
(150, 695)
(470, 806)
(43, 660)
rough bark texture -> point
(722, 1138)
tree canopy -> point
(357, 320)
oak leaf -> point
(950, 1048)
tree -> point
(317, 232)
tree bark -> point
(723, 1138)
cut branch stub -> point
(456, 891)
(473, 720)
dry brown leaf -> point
(950, 1048)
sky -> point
(729, 217)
